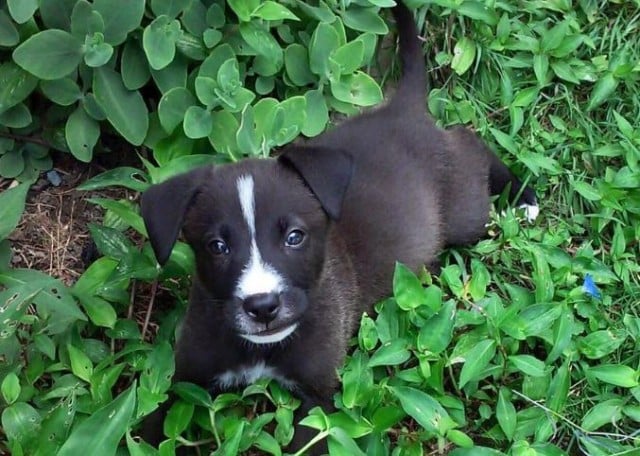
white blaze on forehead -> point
(257, 276)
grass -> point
(526, 343)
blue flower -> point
(590, 287)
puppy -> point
(290, 251)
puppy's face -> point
(258, 234)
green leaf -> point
(616, 374)
(11, 207)
(364, 20)
(171, 8)
(390, 353)
(17, 116)
(603, 413)
(407, 289)
(480, 279)
(64, 92)
(478, 11)
(506, 414)
(50, 54)
(424, 409)
(317, 114)
(21, 422)
(476, 360)
(273, 11)
(437, 332)
(81, 134)
(12, 164)
(598, 344)
(173, 107)
(15, 85)
(159, 41)
(81, 365)
(178, 418)
(243, 8)
(464, 53)
(100, 312)
(120, 17)
(349, 56)
(586, 190)
(341, 443)
(124, 211)
(602, 91)
(134, 67)
(357, 380)
(85, 22)
(323, 42)
(529, 365)
(103, 429)
(197, 122)
(10, 388)
(265, 45)
(125, 110)
(296, 62)
(359, 89)
(110, 241)
(96, 51)
(223, 133)
(9, 35)
(22, 10)
(124, 176)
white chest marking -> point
(257, 276)
(247, 375)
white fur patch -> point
(531, 211)
(249, 374)
(257, 276)
(271, 338)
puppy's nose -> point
(262, 307)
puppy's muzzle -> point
(262, 307)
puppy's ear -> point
(163, 209)
(325, 170)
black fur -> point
(385, 186)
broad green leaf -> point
(554, 37)
(96, 51)
(159, 41)
(63, 91)
(542, 276)
(616, 374)
(22, 10)
(559, 388)
(390, 353)
(464, 53)
(191, 392)
(273, 11)
(601, 92)
(12, 164)
(424, 409)
(478, 11)
(223, 133)
(11, 207)
(270, 55)
(349, 56)
(437, 332)
(103, 429)
(86, 22)
(603, 413)
(81, 134)
(598, 344)
(357, 380)
(243, 8)
(407, 289)
(124, 211)
(134, 67)
(158, 369)
(341, 443)
(197, 122)
(586, 190)
(317, 113)
(529, 365)
(124, 176)
(56, 425)
(506, 414)
(178, 418)
(171, 8)
(17, 116)
(50, 54)
(9, 35)
(246, 138)
(364, 20)
(476, 360)
(480, 279)
(110, 241)
(125, 110)
(120, 17)
(100, 311)
(323, 42)
(81, 365)
(173, 106)
(20, 421)
(296, 62)
(10, 388)
(358, 88)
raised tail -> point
(412, 88)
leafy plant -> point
(526, 343)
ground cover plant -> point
(526, 344)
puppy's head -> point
(258, 229)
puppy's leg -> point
(304, 434)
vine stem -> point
(30, 139)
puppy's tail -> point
(412, 88)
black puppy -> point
(291, 251)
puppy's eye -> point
(294, 238)
(219, 247)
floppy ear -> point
(325, 170)
(163, 209)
